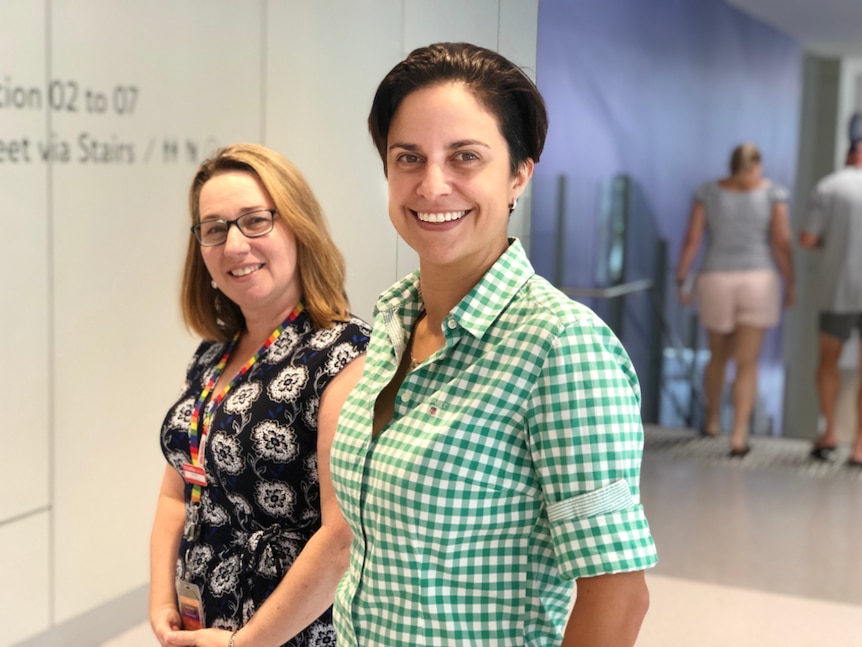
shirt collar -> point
(482, 305)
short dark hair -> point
(500, 85)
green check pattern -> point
(510, 469)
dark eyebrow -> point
(468, 142)
(408, 147)
(453, 146)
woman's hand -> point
(199, 638)
(690, 245)
(685, 290)
(164, 621)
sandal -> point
(822, 453)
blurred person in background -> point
(738, 288)
(833, 226)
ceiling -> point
(825, 27)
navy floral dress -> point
(262, 501)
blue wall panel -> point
(660, 91)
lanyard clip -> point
(193, 527)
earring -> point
(214, 284)
(513, 205)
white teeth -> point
(245, 270)
(440, 217)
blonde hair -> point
(743, 158)
(320, 264)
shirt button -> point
(451, 324)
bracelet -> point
(232, 638)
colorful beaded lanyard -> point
(193, 472)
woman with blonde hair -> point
(248, 542)
(738, 289)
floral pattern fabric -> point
(262, 502)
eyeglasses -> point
(252, 225)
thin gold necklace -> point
(413, 363)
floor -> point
(763, 551)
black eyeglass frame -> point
(196, 229)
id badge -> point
(194, 474)
(190, 605)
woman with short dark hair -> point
(490, 455)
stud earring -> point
(513, 205)
(214, 284)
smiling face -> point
(258, 274)
(450, 182)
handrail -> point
(612, 292)
(667, 331)
(625, 268)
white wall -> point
(94, 346)
(817, 149)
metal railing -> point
(621, 271)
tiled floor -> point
(768, 522)
(762, 552)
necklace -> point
(414, 364)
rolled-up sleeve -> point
(586, 441)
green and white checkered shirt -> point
(510, 468)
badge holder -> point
(190, 605)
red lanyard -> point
(194, 472)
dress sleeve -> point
(702, 193)
(355, 336)
(586, 440)
(351, 340)
(200, 360)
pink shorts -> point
(746, 297)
